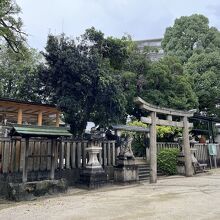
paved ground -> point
(171, 198)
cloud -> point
(140, 18)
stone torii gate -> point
(153, 121)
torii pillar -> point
(186, 148)
(153, 149)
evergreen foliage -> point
(11, 25)
(197, 45)
(83, 79)
(190, 34)
(167, 161)
(95, 78)
(19, 74)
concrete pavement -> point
(173, 197)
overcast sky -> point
(142, 19)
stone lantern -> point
(93, 150)
(93, 175)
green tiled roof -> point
(39, 131)
(130, 128)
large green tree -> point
(197, 45)
(204, 71)
(190, 34)
(19, 74)
(11, 25)
(133, 75)
(82, 79)
(114, 49)
(167, 86)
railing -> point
(73, 154)
(69, 154)
(165, 145)
(201, 153)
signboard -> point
(212, 149)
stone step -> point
(144, 175)
(143, 164)
(144, 168)
(148, 172)
(144, 179)
(144, 172)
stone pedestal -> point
(93, 176)
(126, 171)
(181, 169)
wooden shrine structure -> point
(27, 120)
(32, 113)
(28, 132)
(165, 117)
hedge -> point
(167, 161)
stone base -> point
(29, 190)
(126, 171)
(181, 170)
(93, 178)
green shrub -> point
(168, 133)
(167, 161)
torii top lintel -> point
(161, 110)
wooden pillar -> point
(67, 156)
(19, 121)
(25, 161)
(113, 154)
(62, 150)
(84, 153)
(73, 155)
(108, 153)
(186, 147)
(153, 149)
(57, 119)
(79, 153)
(40, 118)
(53, 151)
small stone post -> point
(153, 149)
(53, 151)
(25, 161)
